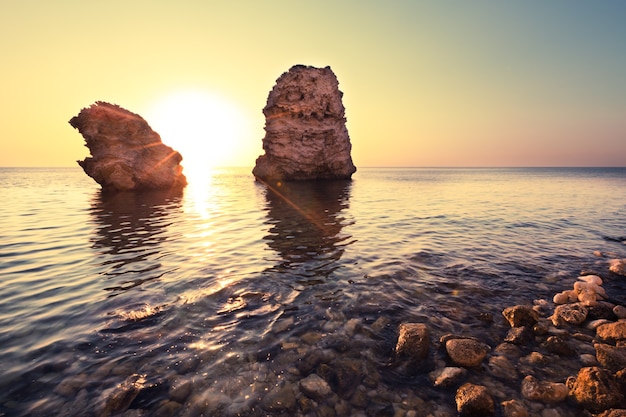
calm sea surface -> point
(211, 301)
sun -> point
(203, 126)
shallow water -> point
(219, 296)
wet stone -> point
(474, 400)
(380, 324)
(618, 266)
(613, 413)
(544, 391)
(582, 339)
(315, 387)
(541, 328)
(466, 352)
(283, 325)
(620, 312)
(280, 399)
(360, 398)
(69, 386)
(514, 408)
(352, 326)
(519, 335)
(612, 331)
(595, 389)
(602, 310)
(413, 341)
(574, 314)
(119, 399)
(180, 390)
(520, 315)
(556, 345)
(588, 360)
(339, 343)
(447, 376)
(485, 317)
(611, 357)
(343, 376)
(168, 408)
(551, 412)
(502, 367)
(508, 349)
(311, 338)
(310, 361)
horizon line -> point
(373, 166)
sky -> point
(425, 83)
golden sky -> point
(426, 83)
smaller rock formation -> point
(313, 386)
(544, 391)
(612, 332)
(466, 352)
(126, 153)
(514, 408)
(474, 400)
(618, 266)
(595, 389)
(612, 358)
(412, 347)
(306, 136)
(520, 315)
(413, 341)
(588, 290)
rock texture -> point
(544, 391)
(126, 153)
(474, 400)
(413, 341)
(466, 352)
(595, 389)
(306, 136)
(520, 315)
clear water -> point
(228, 288)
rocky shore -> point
(555, 358)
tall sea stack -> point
(126, 154)
(305, 129)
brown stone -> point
(520, 315)
(315, 387)
(343, 375)
(120, 398)
(602, 310)
(126, 153)
(556, 344)
(612, 332)
(474, 400)
(305, 129)
(501, 367)
(519, 335)
(544, 391)
(280, 399)
(611, 357)
(595, 389)
(413, 341)
(514, 408)
(618, 266)
(613, 413)
(574, 314)
(466, 352)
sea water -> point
(220, 299)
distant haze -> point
(428, 83)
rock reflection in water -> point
(306, 221)
(131, 228)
